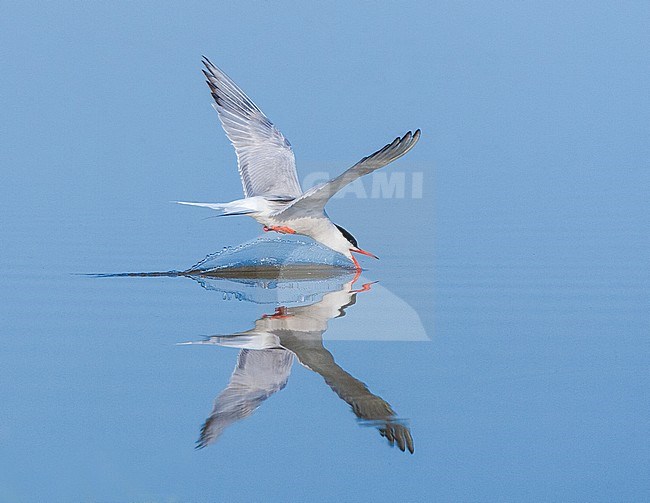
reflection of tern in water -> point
(265, 361)
(267, 168)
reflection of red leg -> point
(280, 313)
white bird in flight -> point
(267, 168)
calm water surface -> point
(531, 377)
(505, 332)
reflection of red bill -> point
(364, 288)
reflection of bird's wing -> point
(312, 202)
(266, 162)
(366, 406)
(258, 374)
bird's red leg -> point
(281, 229)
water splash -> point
(280, 270)
(273, 252)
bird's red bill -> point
(364, 252)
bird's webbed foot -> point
(279, 228)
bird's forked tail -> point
(226, 209)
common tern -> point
(267, 168)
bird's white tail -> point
(246, 206)
(233, 208)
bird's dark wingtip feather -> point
(207, 79)
(208, 65)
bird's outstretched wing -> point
(312, 202)
(368, 407)
(258, 374)
(266, 162)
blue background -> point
(526, 259)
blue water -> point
(506, 326)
